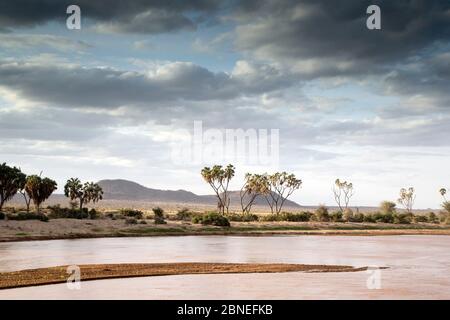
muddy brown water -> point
(418, 267)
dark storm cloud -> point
(76, 86)
(431, 76)
(334, 34)
(141, 16)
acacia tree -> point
(407, 198)
(281, 185)
(219, 178)
(39, 189)
(11, 180)
(343, 192)
(84, 193)
(254, 186)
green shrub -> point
(132, 213)
(433, 218)
(158, 215)
(131, 221)
(369, 217)
(420, 218)
(322, 214)
(296, 217)
(336, 216)
(403, 218)
(387, 217)
(242, 217)
(269, 218)
(211, 218)
(93, 214)
(184, 214)
(56, 212)
(357, 217)
(196, 218)
(28, 216)
(2, 216)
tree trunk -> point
(27, 202)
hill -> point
(120, 189)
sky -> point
(119, 97)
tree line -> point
(37, 189)
(276, 188)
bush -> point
(159, 215)
(269, 217)
(56, 212)
(420, 218)
(348, 215)
(336, 216)
(387, 207)
(443, 217)
(197, 218)
(288, 216)
(93, 214)
(2, 216)
(296, 217)
(403, 218)
(322, 214)
(357, 217)
(387, 217)
(433, 218)
(132, 213)
(131, 221)
(242, 217)
(28, 216)
(184, 214)
(370, 218)
(212, 218)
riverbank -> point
(77, 229)
(53, 275)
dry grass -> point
(53, 275)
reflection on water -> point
(419, 266)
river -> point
(418, 267)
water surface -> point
(419, 266)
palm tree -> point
(89, 192)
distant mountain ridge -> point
(120, 189)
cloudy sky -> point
(369, 106)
